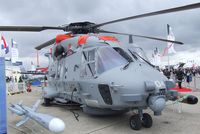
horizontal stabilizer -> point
(24, 120)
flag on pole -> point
(33, 68)
(14, 52)
(170, 36)
(14, 44)
(4, 46)
(156, 57)
(170, 46)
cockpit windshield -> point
(138, 53)
(108, 58)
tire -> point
(47, 102)
(147, 120)
(135, 122)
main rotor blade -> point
(48, 43)
(142, 36)
(29, 28)
(176, 9)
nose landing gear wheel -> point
(147, 120)
(135, 122)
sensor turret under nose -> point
(157, 104)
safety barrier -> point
(197, 82)
(194, 84)
(15, 88)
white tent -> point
(189, 65)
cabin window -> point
(91, 55)
(108, 58)
(88, 63)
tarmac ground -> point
(178, 118)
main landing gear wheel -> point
(135, 122)
(47, 101)
(147, 120)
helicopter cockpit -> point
(109, 58)
(101, 59)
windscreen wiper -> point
(126, 66)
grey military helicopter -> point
(104, 76)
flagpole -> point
(168, 61)
(37, 59)
(11, 59)
(170, 46)
(168, 32)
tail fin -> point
(36, 105)
(24, 120)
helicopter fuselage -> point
(97, 75)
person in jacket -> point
(180, 76)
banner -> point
(14, 52)
(14, 55)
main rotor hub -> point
(82, 28)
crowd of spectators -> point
(181, 74)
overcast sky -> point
(185, 25)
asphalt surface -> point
(175, 119)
